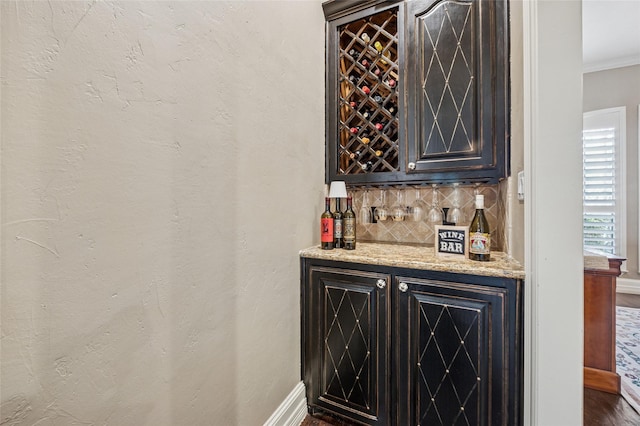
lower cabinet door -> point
(346, 361)
(452, 356)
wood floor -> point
(600, 408)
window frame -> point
(620, 182)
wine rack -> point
(368, 79)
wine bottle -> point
(349, 233)
(391, 107)
(326, 226)
(338, 242)
(479, 234)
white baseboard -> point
(627, 285)
(292, 410)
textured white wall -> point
(162, 164)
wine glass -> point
(456, 215)
(365, 211)
(382, 212)
(398, 211)
(417, 210)
(435, 213)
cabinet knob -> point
(412, 166)
(403, 287)
(381, 283)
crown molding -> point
(625, 61)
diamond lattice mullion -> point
(432, 341)
(435, 112)
(339, 327)
(357, 316)
(460, 120)
(460, 37)
(450, 367)
(458, 52)
(474, 323)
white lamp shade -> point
(338, 189)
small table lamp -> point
(338, 190)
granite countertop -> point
(594, 260)
(418, 257)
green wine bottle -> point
(349, 224)
(338, 242)
(479, 234)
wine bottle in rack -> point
(479, 234)
(349, 224)
(326, 226)
(365, 138)
(380, 125)
(367, 166)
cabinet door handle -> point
(412, 166)
(381, 283)
(403, 287)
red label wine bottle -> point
(326, 226)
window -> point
(604, 210)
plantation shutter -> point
(599, 191)
(603, 221)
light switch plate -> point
(521, 185)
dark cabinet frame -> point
(489, 160)
(498, 302)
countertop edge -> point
(419, 258)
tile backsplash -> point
(422, 232)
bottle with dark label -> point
(338, 242)
(479, 234)
(326, 226)
(392, 108)
(349, 224)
